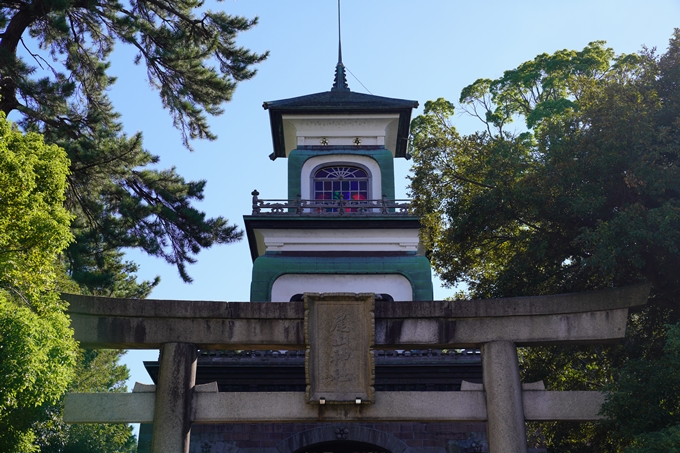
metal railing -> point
(299, 206)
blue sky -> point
(405, 49)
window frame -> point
(313, 179)
(313, 163)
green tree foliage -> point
(37, 351)
(60, 91)
(652, 423)
(97, 371)
(34, 226)
(572, 184)
(37, 357)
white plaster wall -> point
(341, 159)
(288, 285)
(384, 240)
(340, 130)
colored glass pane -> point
(341, 183)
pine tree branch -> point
(37, 57)
(133, 148)
(37, 115)
(167, 7)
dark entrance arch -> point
(342, 446)
(342, 439)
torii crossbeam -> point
(497, 327)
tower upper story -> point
(340, 228)
(340, 126)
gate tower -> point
(340, 228)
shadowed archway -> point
(342, 439)
(342, 446)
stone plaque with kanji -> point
(340, 334)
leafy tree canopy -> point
(59, 89)
(652, 424)
(34, 225)
(582, 192)
(37, 358)
(586, 196)
(96, 371)
(37, 350)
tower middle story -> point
(340, 228)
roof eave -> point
(276, 122)
(253, 222)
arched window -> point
(340, 182)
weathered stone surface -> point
(571, 328)
(210, 387)
(140, 324)
(174, 395)
(538, 385)
(339, 333)
(290, 407)
(121, 332)
(467, 386)
(503, 390)
(109, 407)
(150, 333)
(184, 309)
(562, 406)
(143, 388)
(609, 299)
(497, 326)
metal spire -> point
(339, 37)
(340, 83)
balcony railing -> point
(301, 207)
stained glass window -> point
(341, 183)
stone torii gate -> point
(339, 332)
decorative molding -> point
(310, 240)
(341, 130)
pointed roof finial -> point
(339, 37)
(340, 83)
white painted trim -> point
(311, 164)
(340, 130)
(315, 240)
(288, 285)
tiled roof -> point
(340, 101)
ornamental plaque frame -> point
(340, 338)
